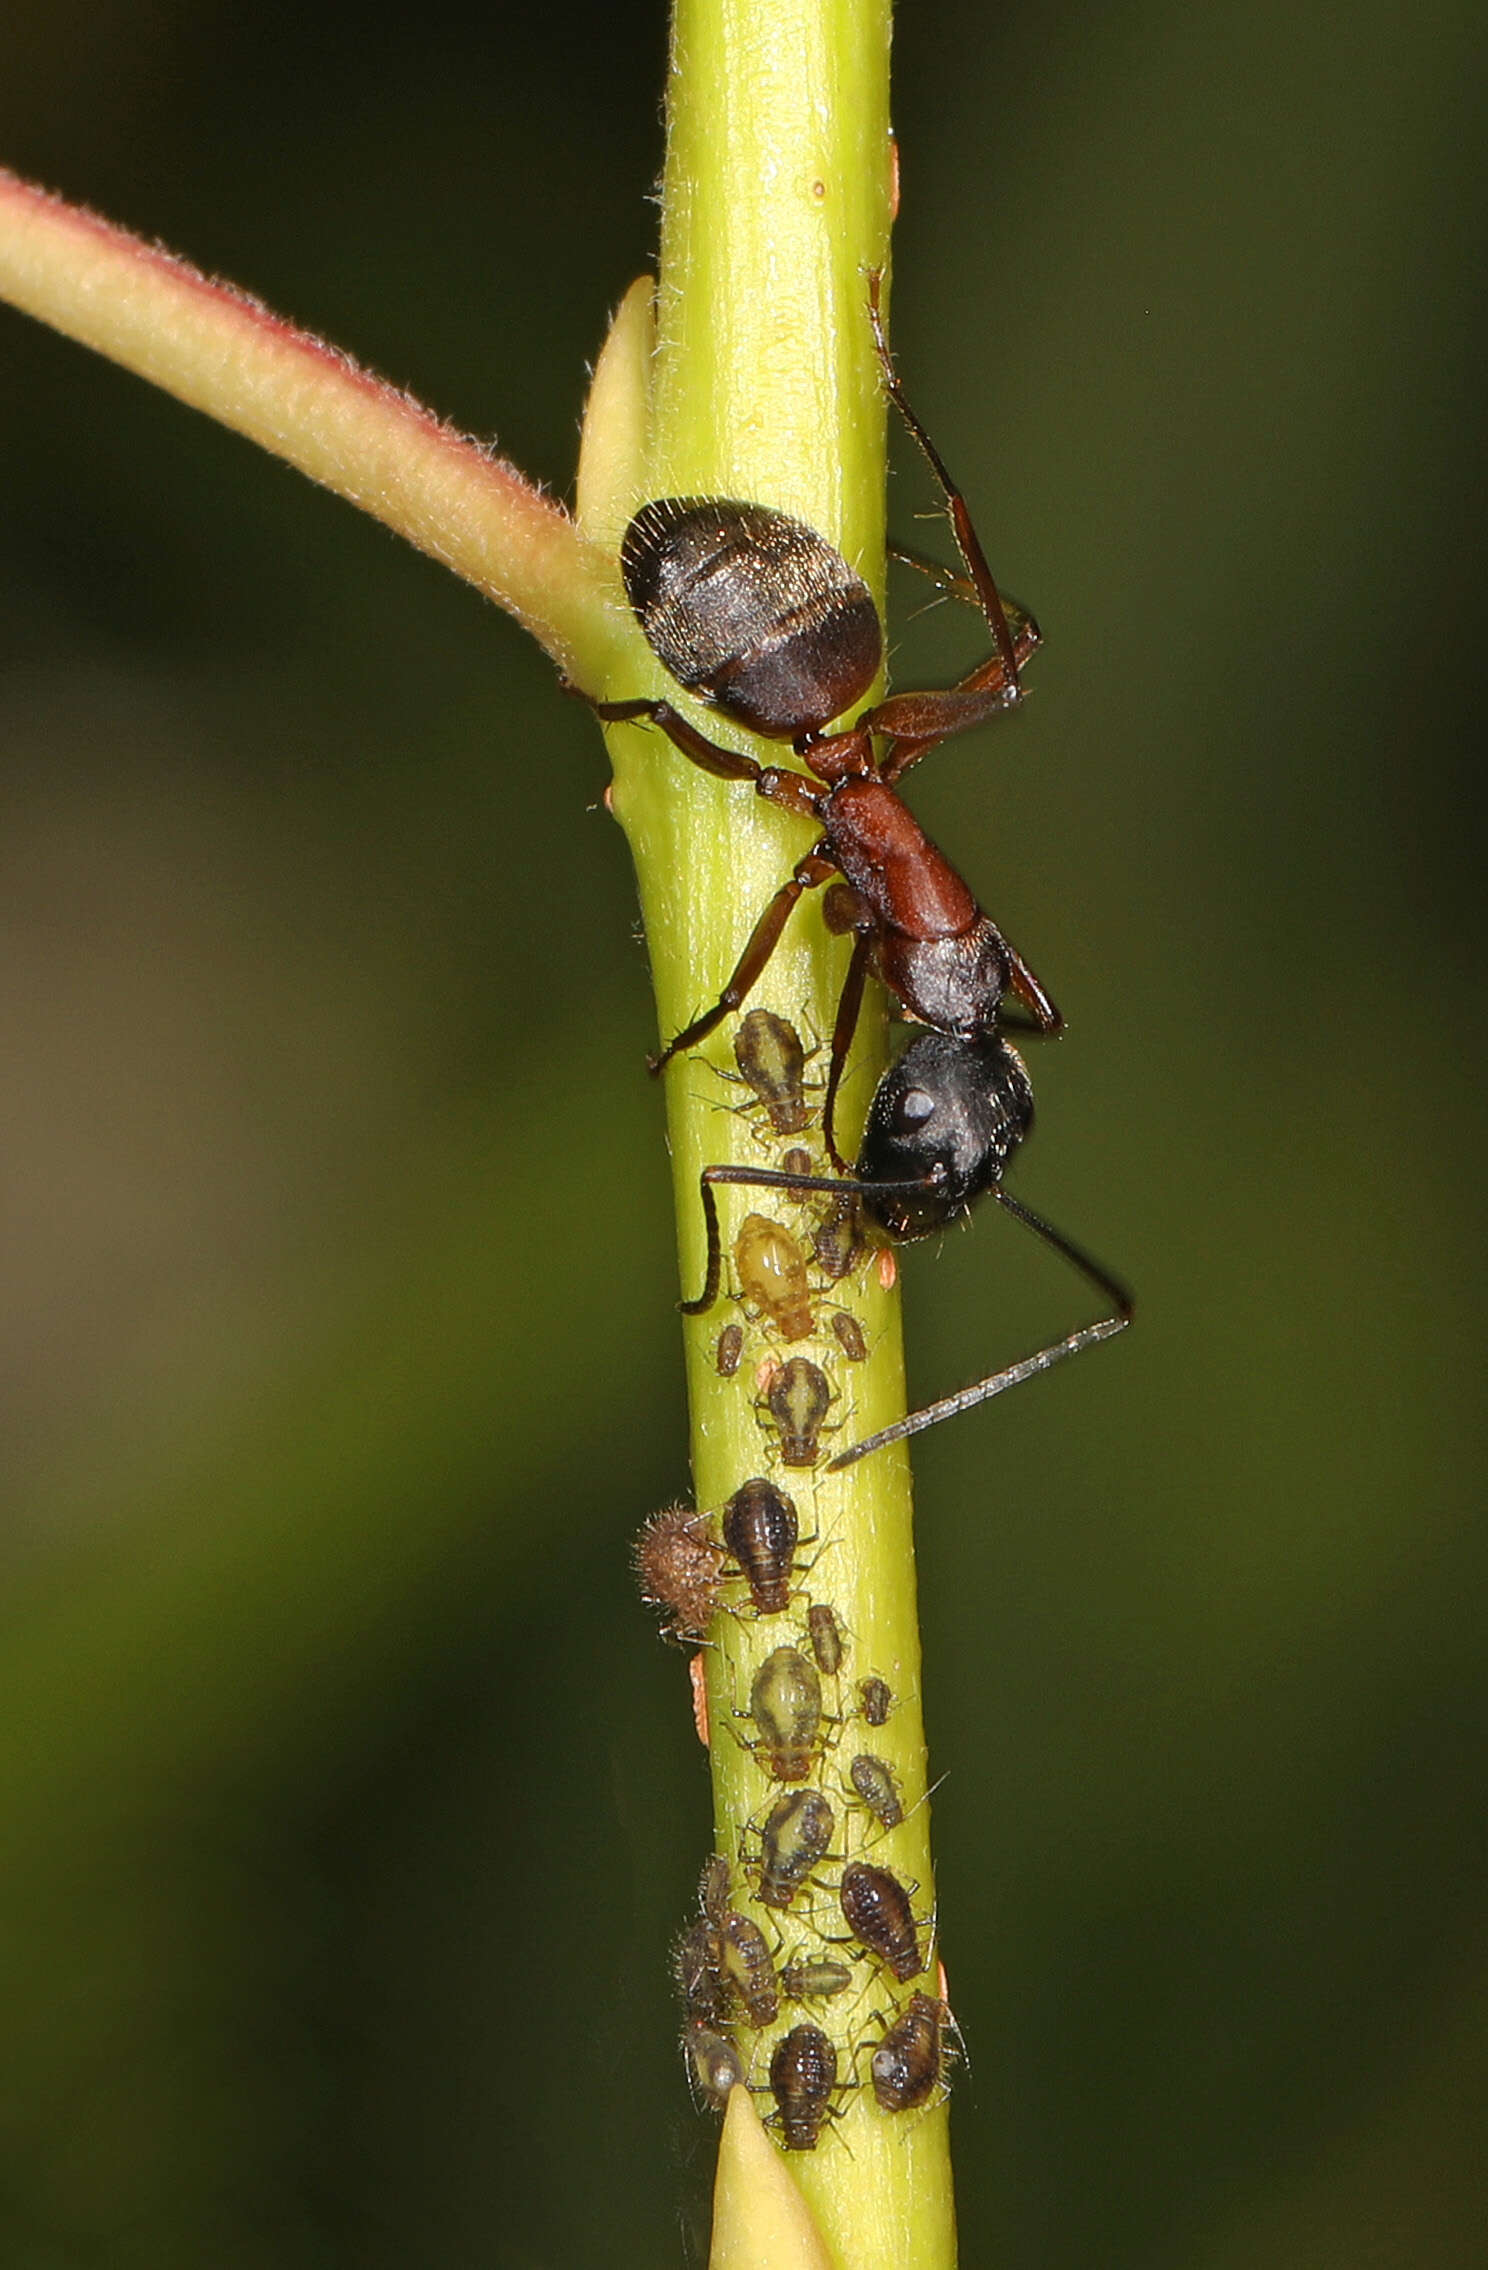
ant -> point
(758, 616)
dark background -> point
(347, 1802)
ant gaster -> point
(759, 616)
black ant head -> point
(950, 1113)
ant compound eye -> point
(914, 1108)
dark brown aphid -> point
(815, 1978)
(697, 1967)
(839, 1237)
(772, 1275)
(798, 1399)
(909, 2060)
(876, 1907)
(772, 1062)
(729, 1350)
(713, 2063)
(797, 1831)
(679, 1568)
(796, 1162)
(745, 1962)
(785, 1704)
(760, 1529)
(875, 1784)
(803, 2074)
(850, 1337)
(826, 1637)
(877, 1699)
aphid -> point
(839, 1235)
(744, 1961)
(679, 1568)
(826, 1637)
(714, 2064)
(877, 1699)
(772, 1062)
(803, 2074)
(876, 1907)
(815, 1978)
(697, 1967)
(798, 1399)
(772, 1275)
(850, 1336)
(785, 1704)
(907, 2063)
(795, 1162)
(714, 1887)
(875, 1784)
(797, 1831)
(729, 1350)
(760, 1529)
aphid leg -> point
(1044, 1359)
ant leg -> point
(1026, 634)
(934, 717)
(760, 945)
(967, 1398)
(967, 541)
(724, 764)
(1047, 1022)
(709, 1293)
(849, 1002)
(1027, 638)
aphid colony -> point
(837, 1933)
(791, 1973)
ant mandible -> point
(758, 616)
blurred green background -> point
(347, 1802)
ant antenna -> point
(967, 1398)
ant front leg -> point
(1048, 1024)
(849, 1004)
(763, 939)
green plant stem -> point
(764, 385)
